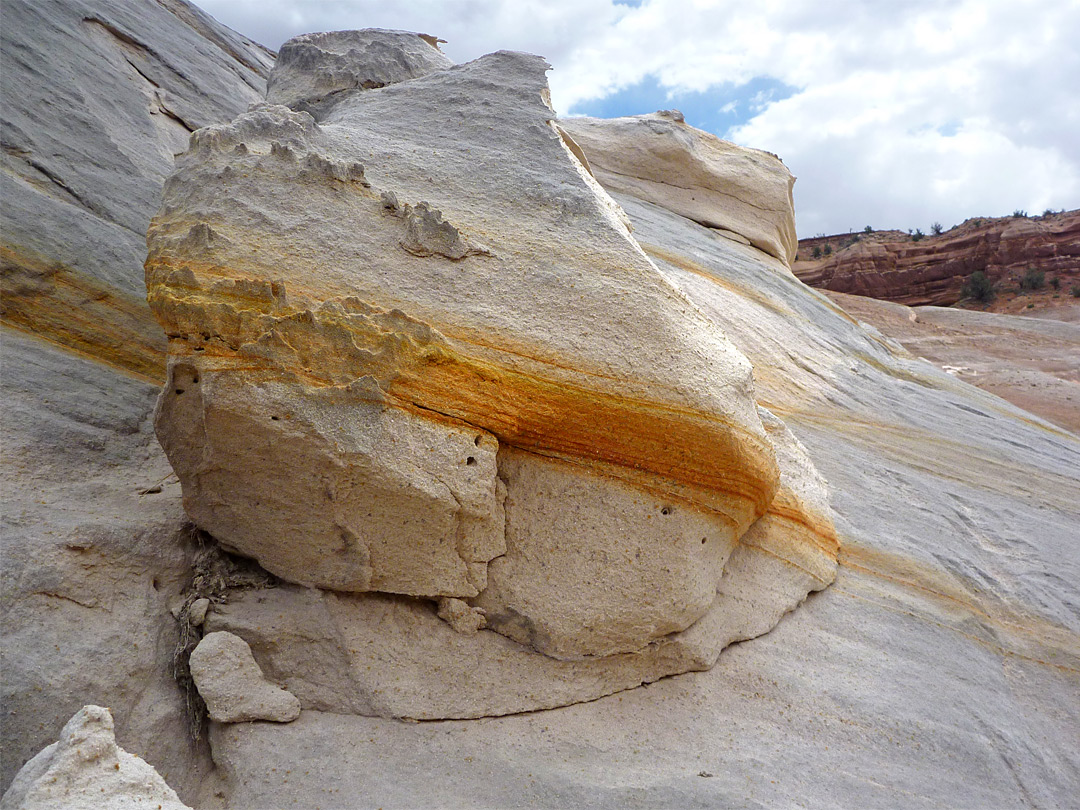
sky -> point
(891, 113)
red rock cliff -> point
(891, 265)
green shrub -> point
(816, 252)
(828, 249)
(1019, 212)
(915, 237)
(1055, 282)
(979, 287)
(1075, 291)
(868, 229)
(1033, 279)
(1048, 212)
(936, 229)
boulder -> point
(233, 686)
(86, 770)
(743, 193)
(312, 69)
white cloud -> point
(904, 113)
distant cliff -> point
(896, 266)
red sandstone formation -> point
(894, 266)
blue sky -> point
(892, 114)
(719, 109)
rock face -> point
(949, 644)
(233, 686)
(743, 193)
(86, 770)
(940, 670)
(393, 368)
(893, 267)
(97, 97)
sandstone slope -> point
(98, 95)
(1034, 363)
(940, 670)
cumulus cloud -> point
(894, 114)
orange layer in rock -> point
(698, 456)
(799, 536)
(82, 314)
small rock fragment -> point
(232, 684)
(197, 611)
(460, 615)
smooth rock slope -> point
(97, 96)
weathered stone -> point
(312, 69)
(197, 611)
(743, 193)
(233, 686)
(473, 324)
(86, 770)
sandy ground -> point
(1032, 361)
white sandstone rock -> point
(356, 354)
(232, 684)
(744, 193)
(311, 69)
(86, 770)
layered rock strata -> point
(414, 349)
(932, 271)
(98, 95)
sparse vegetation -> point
(915, 237)
(1019, 212)
(936, 229)
(1048, 212)
(1055, 282)
(868, 229)
(978, 287)
(816, 252)
(1034, 279)
(1075, 291)
(828, 249)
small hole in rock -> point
(199, 349)
(155, 583)
(179, 391)
(194, 379)
(273, 418)
(476, 441)
(666, 510)
(703, 539)
(470, 461)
